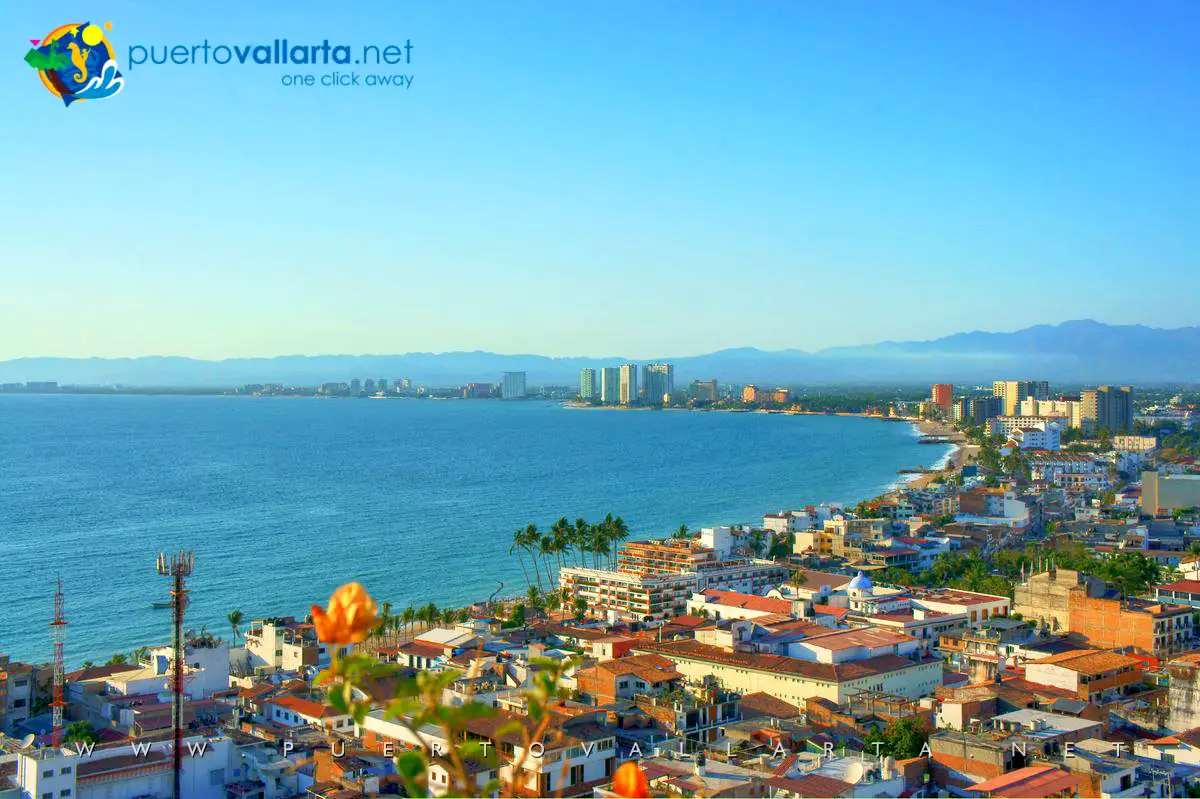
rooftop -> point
(825, 672)
(1031, 781)
(304, 707)
(1084, 661)
(1052, 721)
(748, 601)
(1186, 586)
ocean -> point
(283, 499)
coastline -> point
(953, 461)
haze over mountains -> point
(1071, 352)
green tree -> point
(517, 617)
(81, 731)
(118, 659)
(901, 739)
(235, 623)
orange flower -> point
(351, 616)
(630, 781)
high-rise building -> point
(355, 387)
(704, 390)
(369, 386)
(610, 385)
(1070, 408)
(629, 383)
(658, 381)
(1107, 408)
(382, 386)
(587, 384)
(978, 409)
(942, 395)
(1012, 392)
(514, 386)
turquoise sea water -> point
(284, 499)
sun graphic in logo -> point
(76, 62)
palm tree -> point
(681, 533)
(535, 597)
(798, 579)
(235, 618)
(449, 617)
(532, 543)
(518, 546)
(582, 539)
(385, 619)
(620, 533)
(408, 617)
(562, 531)
(546, 549)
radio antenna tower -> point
(178, 567)
(58, 635)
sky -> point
(585, 178)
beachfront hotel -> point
(655, 579)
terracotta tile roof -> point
(1028, 783)
(101, 767)
(734, 599)
(305, 707)
(99, 672)
(422, 649)
(651, 668)
(1087, 662)
(1187, 586)
(837, 640)
(826, 672)
(764, 704)
(811, 785)
(830, 610)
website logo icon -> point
(76, 62)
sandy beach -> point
(962, 454)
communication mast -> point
(58, 635)
(178, 567)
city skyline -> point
(811, 172)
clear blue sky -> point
(630, 178)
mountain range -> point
(1083, 351)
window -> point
(48, 773)
(65, 770)
(65, 792)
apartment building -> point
(1064, 600)
(794, 680)
(1163, 493)
(1107, 408)
(283, 643)
(1012, 392)
(588, 387)
(1092, 676)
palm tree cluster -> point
(391, 625)
(567, 544)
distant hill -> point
(1071, 352)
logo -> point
(76, 62)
